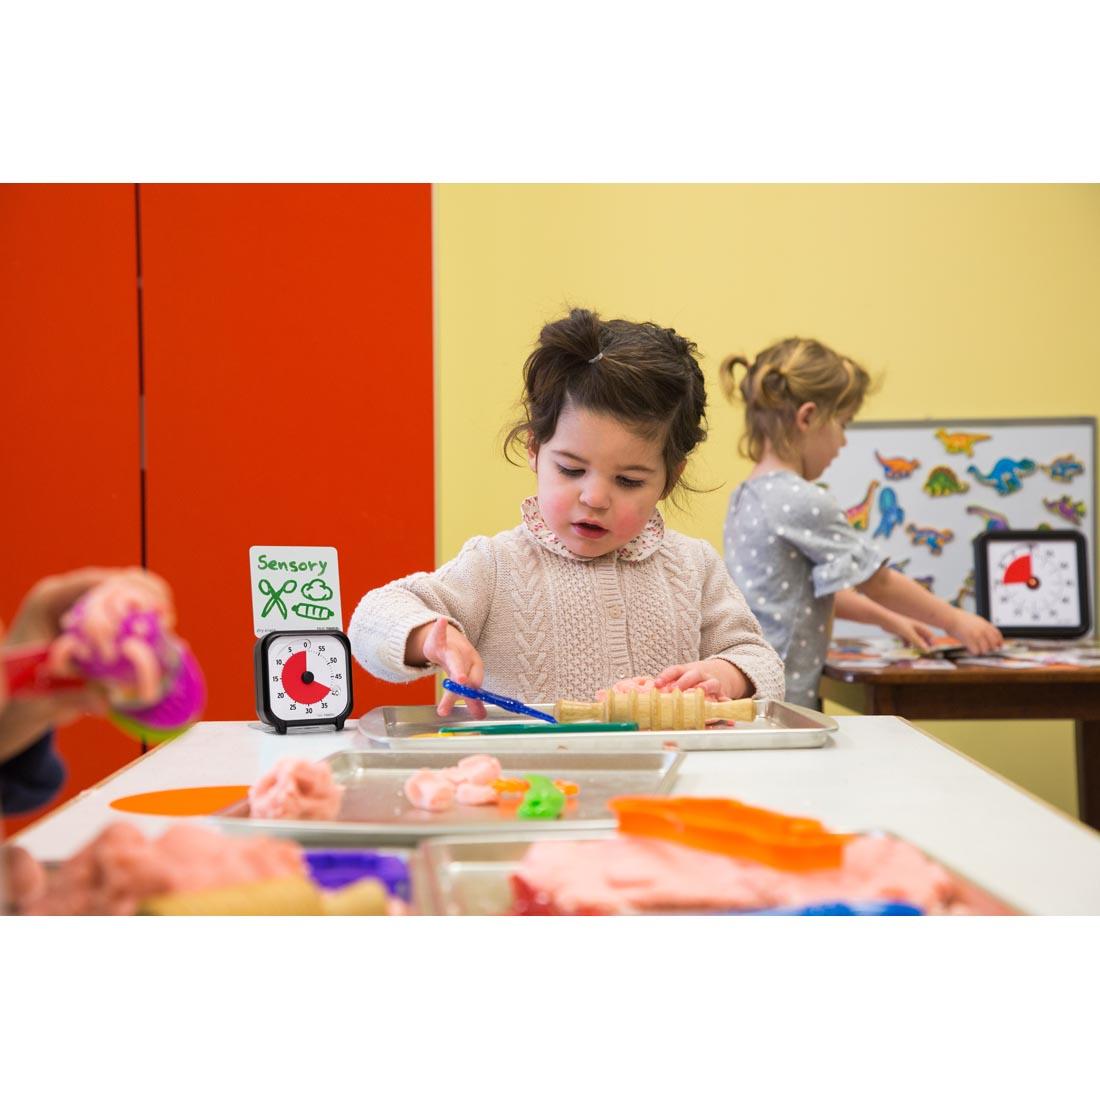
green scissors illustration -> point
(276, 600)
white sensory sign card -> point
(295, 587)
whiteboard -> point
(1034, 499)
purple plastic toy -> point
(333, 869)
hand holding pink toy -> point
(108, 632)
(118, 634)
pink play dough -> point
(480, 769)
(26, 877)
(627, 874)
(297, 789)
(468, 782)
(122, 867)
(476, 794)
(427, 790)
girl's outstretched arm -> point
(857, 608)
(385, 628)
(903, 595)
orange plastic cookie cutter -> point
(508, 785)
(733, 829)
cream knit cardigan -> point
(553, 627)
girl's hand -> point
(977, 634)
(635, 683)
(912, 632)
(718, 679)
(450, 649)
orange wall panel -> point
(69, 444)
(288, 399)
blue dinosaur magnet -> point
(1005, 475)
(1064, 468)
(892, 513)
(931, 537)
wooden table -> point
(974, 693)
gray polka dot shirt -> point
(790, 549)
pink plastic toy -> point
(126, 674)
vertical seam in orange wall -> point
(141, 379)
(141, 389)
(437, 414)
(437, 503)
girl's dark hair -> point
(637, 372)
(782, 378)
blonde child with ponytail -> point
(591, 589)
(788, 544)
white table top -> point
(876, 773)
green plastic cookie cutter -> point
(542, 801)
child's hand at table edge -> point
(447, 647)
(912, 632)
(977, 634)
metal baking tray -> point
(374, 808)
(471, 876)
(776, 726)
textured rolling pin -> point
(292, 896)
(657, 710)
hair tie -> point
(597, 357)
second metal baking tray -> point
(374, 807)
(776, 726)
(472, 876)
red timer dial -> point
(1019, 572)
(300, 682)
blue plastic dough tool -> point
(505, 728)
(502, 701)
(842, 909)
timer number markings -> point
(1034, 586)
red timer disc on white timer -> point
(303, 678)
(1033, 584)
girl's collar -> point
(640, 547)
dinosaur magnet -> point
(966, 590)
(994, 521)
(1064, 468)
(1005, 475)
(943, 481)
(892, 513)
(1072, 510)
(929, 536)
(895, 469)
(960, 443)
(859, 515)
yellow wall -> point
(967, 300)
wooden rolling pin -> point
(657, 710)
(292, 896)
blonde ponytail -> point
(781, 379)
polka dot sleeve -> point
(811, 521)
